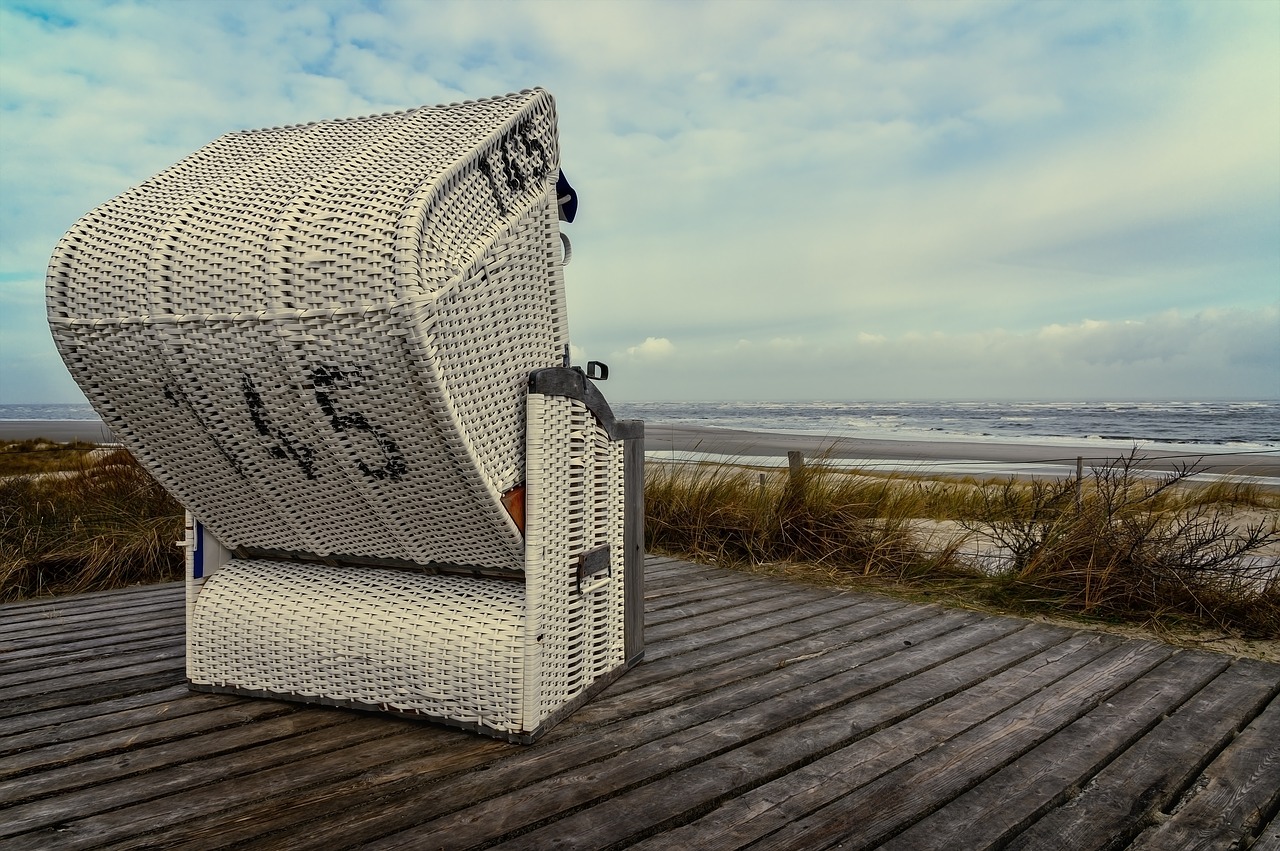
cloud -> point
(1158, 357)
(885, 186)
(1008, 109)
(653, 348)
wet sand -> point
(62, 431)
(762, 446)
(756, 446)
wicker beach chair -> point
(343, 347)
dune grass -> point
(85, 522)
(1125, 548)
(26, 457)
(1162, 552)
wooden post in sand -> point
(1079, 483)
(795, 460)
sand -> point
(754, 447)
(62, 431)
(763, 447)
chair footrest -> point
(451, 648)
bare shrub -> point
(1135, 548)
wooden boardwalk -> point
(767, 715)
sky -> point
(778, 200)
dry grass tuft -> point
(821, 517)
(101, 522)
(28, 457)
(1165, 552)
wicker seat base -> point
(515, 737)
(448, 648)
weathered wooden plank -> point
(909, 644)
(87, 622)
(661, 568)
(659, 560)
(672, 590)
(657, 569)
(49, 670)
(516, 769)
(122, 636)
(142, 678)
(103, 718)
(1124, 797)
(767, 708)
(128, 810)
(165, 729)
(95, 599)
(1234, 796)
(834, 643)
(19, 724)
(104, 780)
(708, 621)
(633, 750)
(885, 730)
(74, 650)
(1269, 839)
(660, 583)
(675, 799)
(988, 814)
(794, 637)
(659, 610)
(772, 598)
(875, 811)
(576, 749)
(215, 810)
(812, 622)
(147, 600)
(662, 593)
(169, 655)
(661, 589)
(53, 643)
(124, 590)
(684, 595)
(766, 598)
(78, 611)
(657, 573)
(675, 644)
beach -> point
(759, 447)
(63, 431)
(939, 455)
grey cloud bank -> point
(1224, 355)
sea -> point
(1223, 426)
(1235, 426)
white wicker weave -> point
(312, 333)
(576, 505)
(319, 338)
(447, 646)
